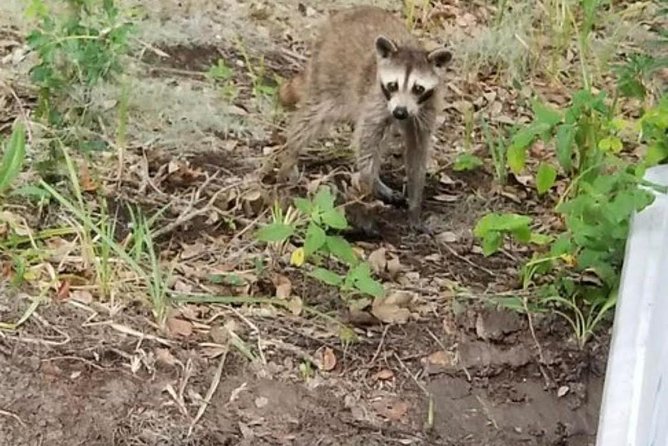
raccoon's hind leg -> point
(369, 135)
(307, 123)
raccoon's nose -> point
(400, 113)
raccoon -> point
(368, 69)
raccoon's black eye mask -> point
(424, 97)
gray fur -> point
(357, 51)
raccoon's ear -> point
(385, 47)
(439, 57)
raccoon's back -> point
(343, 61)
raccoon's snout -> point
(400, 113)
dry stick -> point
(6, 413)
(469, 261)
(380, 345)
(426, 392)
(189, 214)
(541, 358)
(22, 111)
(210, 392)
(440, 344)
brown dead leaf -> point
(295, 305)
(447, 237)
(83, 296)
(377, 260)
(85, 180)
(325, 359)
(164, 356)
(383, 375)
(394, 267)
(63, 291)
(393, 308)
(179, 327)
(283, 286)
(391, 408)
(446, 198)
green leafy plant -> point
(578, 274)
(467, 161)
(497, 147)
(492, 228)
(13, 156)
(76, 50)
(318, 219)
(223, 74)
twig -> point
(6, 413)
(541, 357)
(209, 393)
(380, 345)
(426, 392)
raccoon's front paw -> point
(388, 195)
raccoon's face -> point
(408, 77)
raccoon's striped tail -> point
(290, 92)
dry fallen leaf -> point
(447, 237)
(392, 409)
(179, 327)
(83, 296)
(85, 180)
(383, 375)
(377, 260)
(295, 305)
(63, 290)
(283, 286)
(446, 198)
(164, 356)
(326, 359)
(392, 308)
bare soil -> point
(463, 372)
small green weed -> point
(76, 51)
(318, 218)
(223, 74)
(578, 275)
(467, 161)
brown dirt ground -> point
(462, 373)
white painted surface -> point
(634, 410)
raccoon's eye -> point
(418, 89)
(392, 86)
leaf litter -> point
(213, 197)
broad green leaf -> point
(513, 303)
(545, 114)
(361, 270)
(13, 156)
(610, 144)
(516, 158)
(655, 154)
(522, 233)
(327, 276)
(31, 192)
(467, 161)
(314, 240)
(340, 248)
(334, 218)
(369, 286)
(540, 239)
(500, 222)
(303, 205)
(564, 138)
(324, 199)
(545, 177)
(491, 243)
(275, 232)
